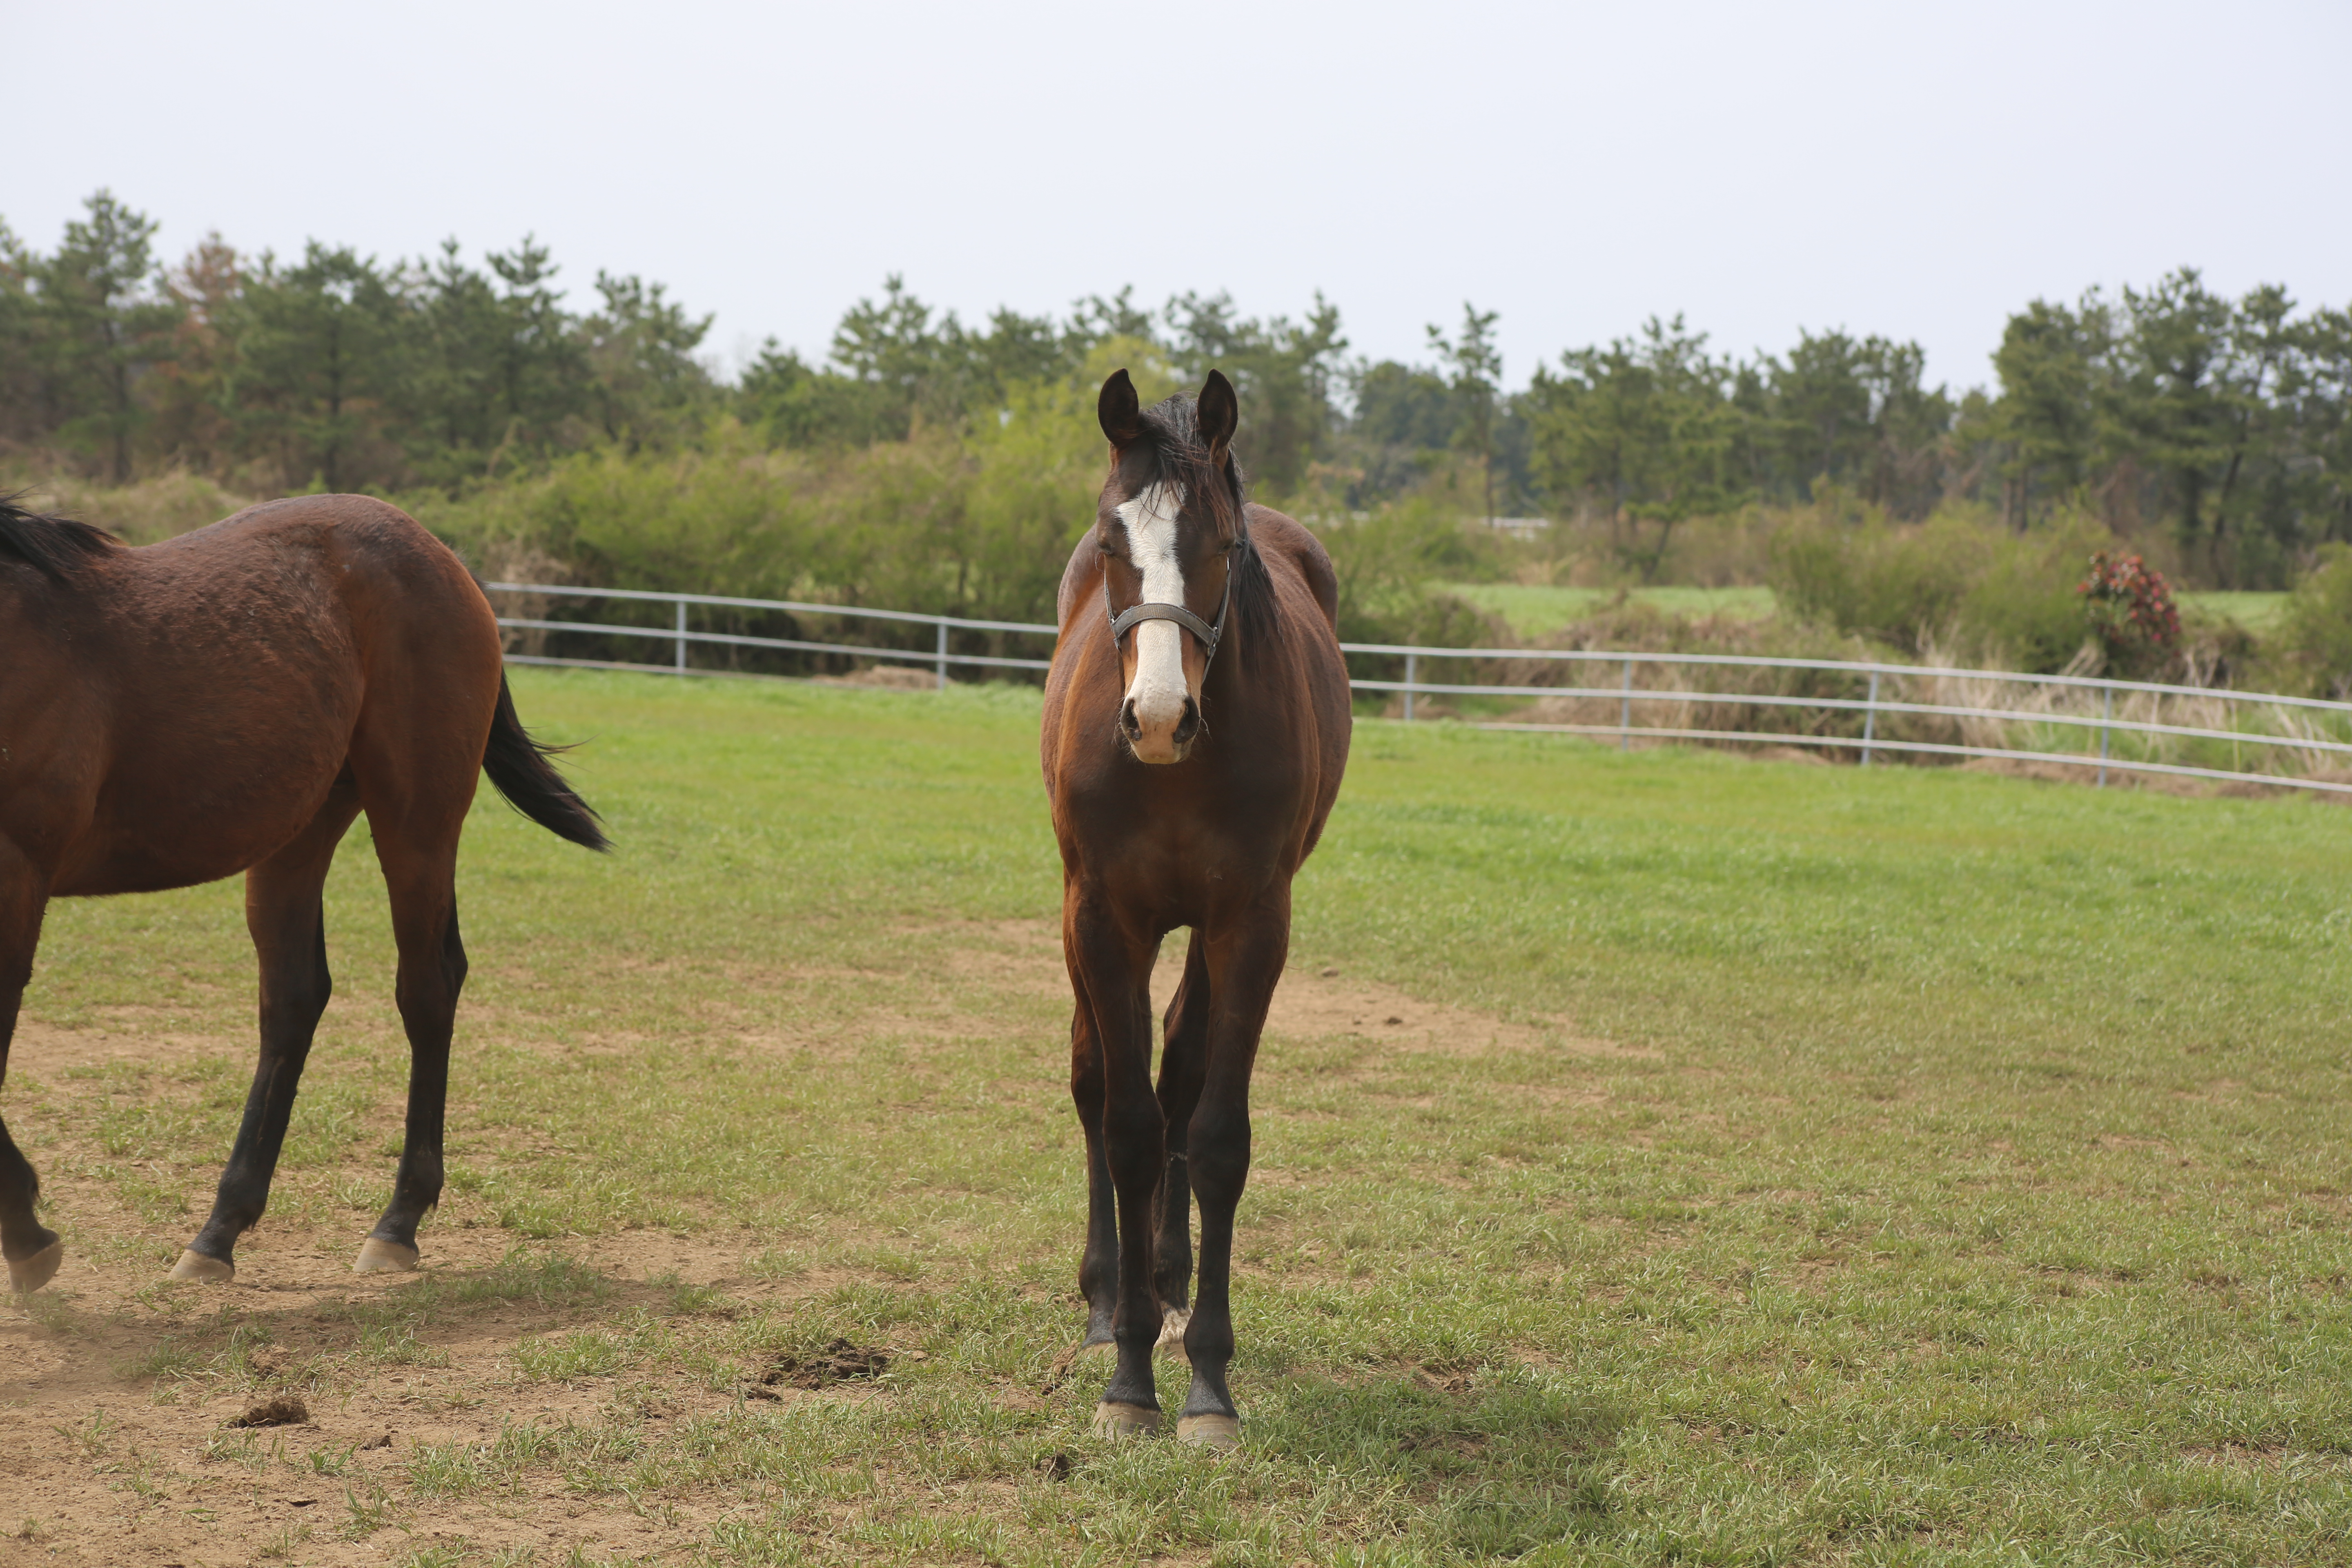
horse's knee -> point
(1218, 1153)
(1087, 1090)
(296, 994)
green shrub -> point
(1388, 562)
(2021, 611)
(1958, 582)
(726, 520)
(2311, 650)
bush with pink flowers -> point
(2131, 613)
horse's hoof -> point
(1209, 1431)
(1114, 1419)
(378, 1256)
(1171, 1332)
(27, 1275)
(196, 1265)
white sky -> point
(1918, 171)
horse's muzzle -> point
(1151, 744)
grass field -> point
(1664, 1157)
(1533, 611)
(2255, 611)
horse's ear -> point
(1220, 414)
(1121, 418)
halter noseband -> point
(1127, 619)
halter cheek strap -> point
(1210, 634)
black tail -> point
(519, 767)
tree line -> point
(2227, 423)
(335, 369)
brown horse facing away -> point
(1196, 725)
(229, 701)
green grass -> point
(2255, 612)
(1964, 1180)
(1533, 610)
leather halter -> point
(1210, 634)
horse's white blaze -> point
(1158, 692)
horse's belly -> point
(201, 800)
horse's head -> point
(1171, 530)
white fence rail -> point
(2311, 731)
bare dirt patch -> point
(287, 1416)
(885, 677)
(2087, 773)
(840, 1362)
(129, 1037)
(1310, 1004)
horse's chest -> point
(1180, 857)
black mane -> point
(1172, 426)
(55, 547)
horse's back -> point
(342, 576)
(373, 546)
(1283, 537)
(1309, 589)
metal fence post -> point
(943, 656)
(1412, 663)
(1870, 719)
(1626, 712)
(2106, 711)
(681, 637)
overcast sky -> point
(1917, 172)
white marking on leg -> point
(1158, 691)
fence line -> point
(2301, 715)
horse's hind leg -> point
(33, 1250)
(420, 871)
(283, 912)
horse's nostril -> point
(1127, 721)
(1190, 724)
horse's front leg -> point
(1112, 967)
(33, 1250)
(284, 914)
(1099, 1267)
(1183, 1058)
(1246, 955)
